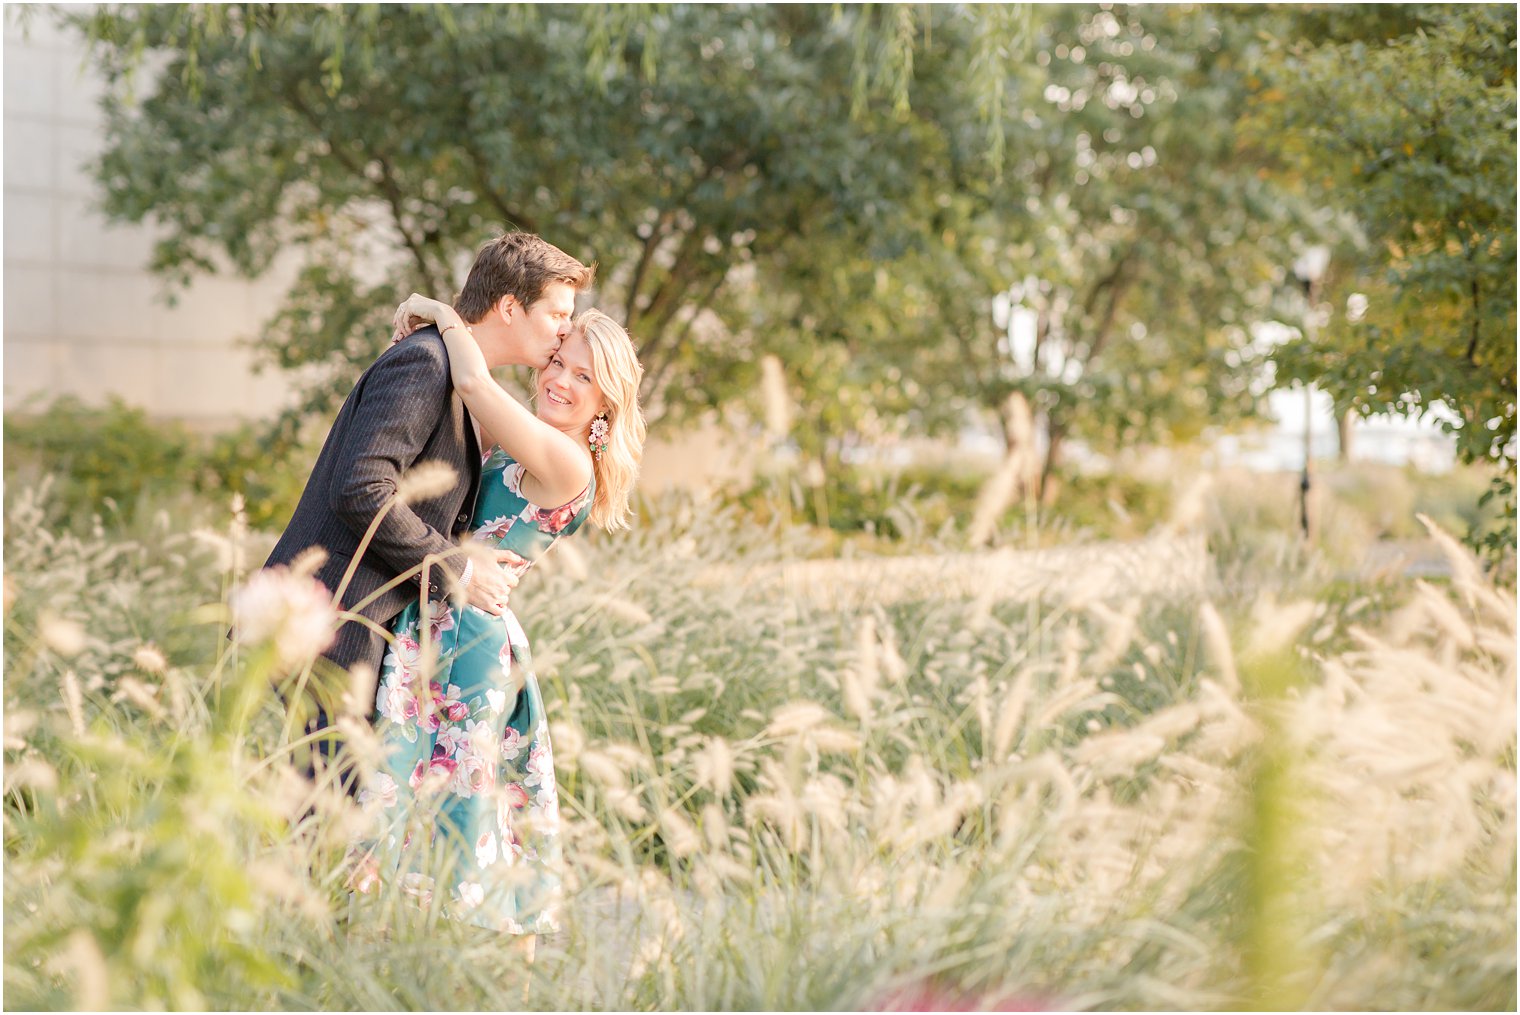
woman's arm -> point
(550, 456)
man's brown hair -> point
(519, 264)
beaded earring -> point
(600, 429)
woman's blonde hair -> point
(615, 365)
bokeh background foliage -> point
(845, 735)
(849, 188)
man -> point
(518, 299)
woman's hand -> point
(419, 310)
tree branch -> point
(386, 186)
(654, 384)
(510, 216)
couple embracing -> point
(468, 769)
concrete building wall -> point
(83, 315)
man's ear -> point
(506, 307)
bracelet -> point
(467, 574)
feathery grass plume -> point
(831, 740)
(568, 740)
(602, 769)
(62, 635)
(237, 532)
(9, 594)
(1466, 573)
(1191, 507)
(1216, 637)
(149, 658)
(715, 826)
(426, 480)
(566, 555)
(620, 608)
(679, 836)
(855, 701)
(1445, 615)
(892, 663)
(858, 684)
(31, 772)
(1011, 714)
(73, 702)
(778, 407)
(82, 957)
(1274, 626)
(715, 766)
(292, 613)
(359, 695)
(796, 717)
(18, 723)
(309, 561)
(996, 495)
(1118, 633)
(140, 694)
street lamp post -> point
(1309, 269)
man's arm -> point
(403, 399)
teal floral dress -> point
(468, 769)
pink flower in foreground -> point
(293, 612)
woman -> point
(469, 764)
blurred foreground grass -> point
(1289, 783)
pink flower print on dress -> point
(485, 849)
(496, 529)
(418, 774)
(406, 656)
(511, 478)
(515, 796)
(450, 739)
(540, 769)
(472, 776)
(397, 703)
(471, 894)
(441, 622)
(439, 775)
(381, 789)
(511, 744)
(556, 521)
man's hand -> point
(491, 587)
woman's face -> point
(568, 397)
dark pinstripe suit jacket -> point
(402, 411)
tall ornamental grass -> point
(1242, 792)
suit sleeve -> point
(404, 398)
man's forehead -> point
(561, 296)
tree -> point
(1130, 221)
(753, 180)
(1405, 120)
(681, 149)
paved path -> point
(1159, 566)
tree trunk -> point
(1049, 485)
(1344, 433)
